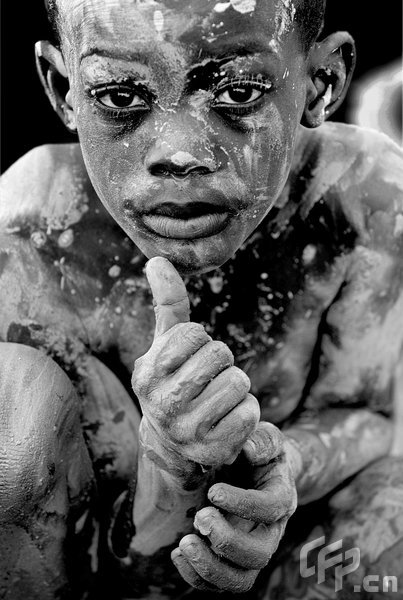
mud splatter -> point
(242, 6)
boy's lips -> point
(188, 218)
(183, 221)
(186, 227)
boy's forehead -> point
(207, 23)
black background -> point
(27, 120)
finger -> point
(188, 573)
(214, 570)
(219, 397)
(193, 376)
(264, 444)
(250, 550)
(223, 442)
(172, 349)
(276, 498)
(171, 302)
(235, 428)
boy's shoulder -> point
(67, 270)
(356, 174)
(336, 150)
(346, 159)
(47, 186)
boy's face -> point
(187, 113)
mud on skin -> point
(208, 118)
(188, 154)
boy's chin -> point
(189, 257)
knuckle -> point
(206, 514)
(263, 558)
(140, 384)
(279, 509)
(275, 435)
(144, 378)
(222, 545)
(239, 379)
(262, 561)
(190, 333)
(245, 583)
(138, 363)
(267, 441)
(139, 373)
(292, 502)
(135, 379)
(251, 413)
(221, 352)
(182, 431)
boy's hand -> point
(196, 406)
(230, 550)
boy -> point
(188, 116)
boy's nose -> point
(164, 161)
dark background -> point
(27, 120)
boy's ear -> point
(53, 75)
(332, 63)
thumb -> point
(171, 302)
(264, 444)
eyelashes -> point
(121, 98)
(240, 94)
(237, 95)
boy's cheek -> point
(116, 162)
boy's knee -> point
(38, 424)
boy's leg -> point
(366, 514)
(46, 478)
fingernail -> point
(217, 496)
(203, 524)
(190, 549)
(175, 554)
(250, 446)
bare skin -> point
(206, 123)
(192, 397)
(310, 439)
(226, 151)
(198, 416)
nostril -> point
(159, 170)
(200, 170)
(178, 171)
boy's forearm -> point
(166, 500)
(165, 503)
(335, 446)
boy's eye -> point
(118, 97)
(241, 94)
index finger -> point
(171, 302)
(265, 444)
(275, 499)
(249, 548)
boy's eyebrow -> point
(239, 46)
(113, 52)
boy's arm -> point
(317, 453)
(335, 445)
(241, 527)
(197, 415)
(360, 358)
(362, 337)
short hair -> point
(53, 16)
(309, 15)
